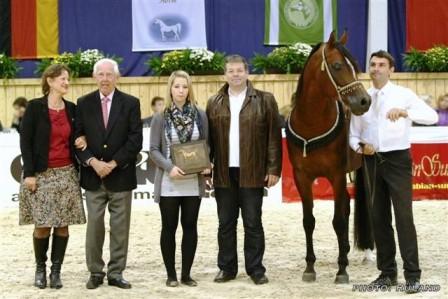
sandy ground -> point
(284, 258)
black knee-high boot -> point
(58, 247)
(40, 253)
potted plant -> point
(80, 63)
(432, 60)
(193, 61)
(8, 67)
(283, 60)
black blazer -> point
(35, 130)
(121, 141)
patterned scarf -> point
(182, 120)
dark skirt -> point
(57, 201)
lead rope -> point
(366, 173)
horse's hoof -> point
(309, 276)
(343, 278)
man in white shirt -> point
(382, 136)
(245, 142)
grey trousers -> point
(119, 206)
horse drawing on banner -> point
(165, 29)
(317, 138)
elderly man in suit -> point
(110, 121)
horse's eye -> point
(337, 66)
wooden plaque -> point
(191, 157)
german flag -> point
(29, 28)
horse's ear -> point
(332, 39)
(344, 38)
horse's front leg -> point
(340, 224)
(304, 185)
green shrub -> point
(290, 59)
(193, 61)
(432, 60)
(8, 67)
(80, 63)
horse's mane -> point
(342, 49)
(348, 55)
(300, 85)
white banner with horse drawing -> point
(160, 25)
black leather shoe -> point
(188, 281)
(172, 282)
(259, 279)
(223, 276)
(119, 282)
(94, 282)
(412, 286)
(384, 281)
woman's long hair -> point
(180, 74)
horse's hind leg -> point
(340, 225)
(304, 185)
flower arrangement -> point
(290, 59)
(8, 67)
(80, 63)
(193, 61)
(432, 60)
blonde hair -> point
(180, 74)
(440, 99)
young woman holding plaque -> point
(180, 122)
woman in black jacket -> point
(50, 196)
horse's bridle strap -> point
(341, 90)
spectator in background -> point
(286, 110)
(442, 110)
(19, 106)
(157, 106)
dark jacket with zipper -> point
(35, 131)
(260, 137)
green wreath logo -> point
(301, 14)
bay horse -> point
(317, 139)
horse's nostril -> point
(364, 102)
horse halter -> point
(341, 90)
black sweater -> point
(35, 131)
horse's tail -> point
(363, 223)
(179, 28)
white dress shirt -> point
(385, 135)
(235, 102)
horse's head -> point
(157, 21)
(334, 64)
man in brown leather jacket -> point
(245, 141)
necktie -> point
(104, 103)
(376, 102)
